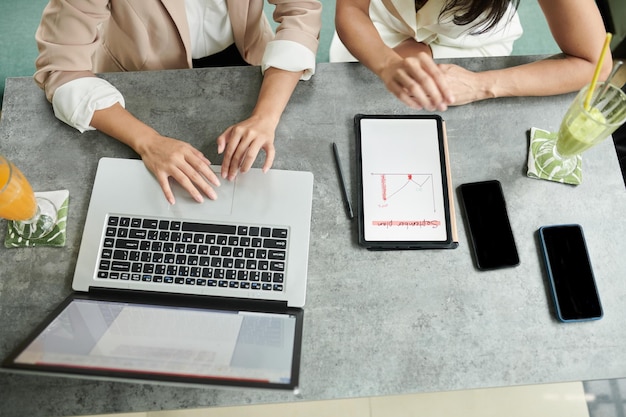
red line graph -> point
(395, 184)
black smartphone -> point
(573, 286)
(488, 225)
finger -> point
(236, 161)
(209, 174)
(229, 161)
(237, 149)
(202, 164)
(411, 92)
(198, 177)
(249, 157)
(409, 100)
(222, 140)
(186, 182)
(423, 89)
(270, 152)
(440, 81)
(164, 182)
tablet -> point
(404, 187)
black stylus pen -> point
(342, 183)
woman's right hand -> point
(165, 157)
(418, 82)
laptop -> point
(193, 293)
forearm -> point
(120, 124)
(541, 78)
(276, 90)
(357, 32)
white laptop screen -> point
(180, 344)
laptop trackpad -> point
(187, 207)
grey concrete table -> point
(376, 323)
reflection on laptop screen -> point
(128, 338)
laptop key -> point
(279, 233)
(209, 228)
(127, 244)
(149, 224)
(120, 254)
(278, 255)
(120, 266)
(277, 266)
(274, 243)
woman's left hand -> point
(465, 86)
(242, 142)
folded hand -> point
(418, 82)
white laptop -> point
(200, 293)
(256, 203)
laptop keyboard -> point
(189, 253)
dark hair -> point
(467, 11)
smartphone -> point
(488, 225)
(570, 274)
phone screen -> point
(571, 276)
(488, 224)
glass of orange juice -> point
(32, 217)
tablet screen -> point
(403, 180)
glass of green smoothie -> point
(581, 128)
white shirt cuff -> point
(289, 56)
(75, 102)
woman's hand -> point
(163, 156)
(167, 157)
(242, 142)
(418, 82)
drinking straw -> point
(607, 83)
(596, 73)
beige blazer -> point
(77, 38)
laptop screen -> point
(168, 343)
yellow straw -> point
(596, 73)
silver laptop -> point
(192, 293)
(252, 242)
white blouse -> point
(209, 25)
(445, 38)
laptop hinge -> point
(188, 300)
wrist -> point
(143, 139)
(266, 117)
(389, 60)
(489, 86)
